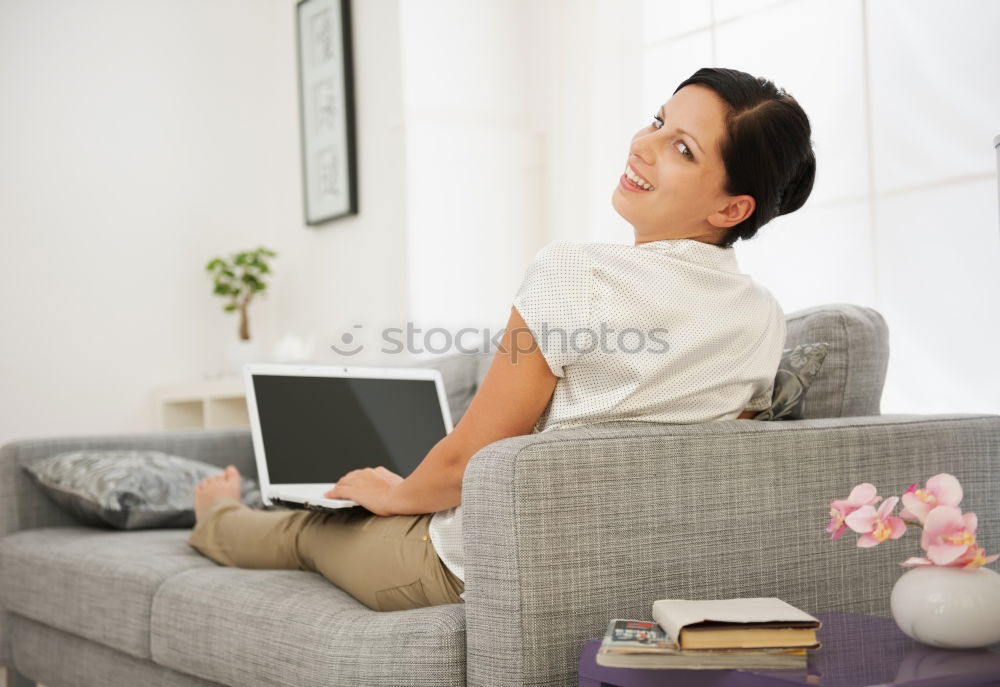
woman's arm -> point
(512, 397)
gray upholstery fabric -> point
(96, 583)
(850, 383)
(289, 627)
(566, 529)
(23, 505)
(82, 663)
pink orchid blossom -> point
(941, 490)
(861, 495)
(948, 538)
(974, 557)
(948, 534)
(876, 526)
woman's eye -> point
(658, 124)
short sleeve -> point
(555, 302)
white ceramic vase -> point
(952, 608)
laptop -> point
(312, 424)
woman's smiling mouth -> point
(633, 182)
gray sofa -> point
(563, 530)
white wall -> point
(473, 159)
(903, 102)
(139, 140)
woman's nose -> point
(639, 150)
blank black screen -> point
(316, 429)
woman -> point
(671, 332)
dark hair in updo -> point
(766, 148)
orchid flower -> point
(861, 495)
(948, 538)
(941, 490)
(875, 526)
(947, 534)
(974, 557)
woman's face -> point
(677, 160)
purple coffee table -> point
(857, 651)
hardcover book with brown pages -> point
(642, 644)
(758, 623)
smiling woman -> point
(724, 156)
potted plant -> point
(237, 280)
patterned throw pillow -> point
(796, 371)
(128, 490)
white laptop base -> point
(309, 496)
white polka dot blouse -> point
(665, 331)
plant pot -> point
(952, 608)
(241, 352)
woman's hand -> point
(368, 486)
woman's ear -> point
(737, 209)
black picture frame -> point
(326, 110)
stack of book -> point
(764, 634)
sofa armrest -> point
(567, 529)
(24, 506)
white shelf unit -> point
(208, 404)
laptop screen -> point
(317, 429)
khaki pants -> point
(386, 563)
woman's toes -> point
(215, 487)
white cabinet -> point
(207, 404)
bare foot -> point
(216, 487)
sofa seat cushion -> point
(95, 583)
(289, 627)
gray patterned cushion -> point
(128, 490)
(796, 371)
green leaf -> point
(230, 307)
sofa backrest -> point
(850, 382)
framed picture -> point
(326, 106)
